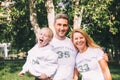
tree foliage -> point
(100, 18)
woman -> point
(89, 61)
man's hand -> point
(105, 57)
(44, 77)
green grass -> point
(9, 70)
(115, 71)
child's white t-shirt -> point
(41, 60)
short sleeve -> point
(99, 54)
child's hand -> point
(21, 74)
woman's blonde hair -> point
(89, 41)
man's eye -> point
(59, 24)
(65, 25)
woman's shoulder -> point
(93, 48)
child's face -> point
(44, 37)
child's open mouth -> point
(41, 40)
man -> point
(63, 46)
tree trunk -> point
(33, 16)
(50, 14)
(77, 15)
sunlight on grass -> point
(115, 73)
(10, 69)
(5, 75)
(116, 76)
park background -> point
(20, 21)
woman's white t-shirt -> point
(87, 64)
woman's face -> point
(79, 41)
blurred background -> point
(21, 19)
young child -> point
(41, 60)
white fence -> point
(4, 47)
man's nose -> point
(62, 27)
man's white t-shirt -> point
(66, 58)
(87, 64)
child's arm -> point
(22, 73)
(24, 68)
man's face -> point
(61, 28)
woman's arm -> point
(105, 69)
(75, 75)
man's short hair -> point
(61, 16)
